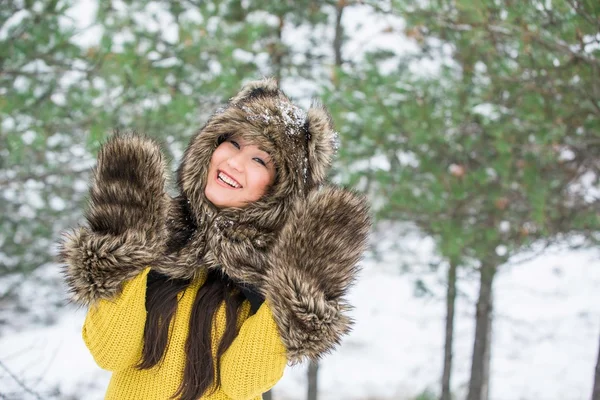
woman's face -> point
(239, 173)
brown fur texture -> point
(126, 230)
(299, 245)
(313, 264)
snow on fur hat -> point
(300, 143)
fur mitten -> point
(126, 219)
(312, 265)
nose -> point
(236, 162)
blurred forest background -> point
(472, 123)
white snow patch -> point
(242, 56)
(56, 203)
(13, 21)
(82, 16)
(375, 31)
(28, 137)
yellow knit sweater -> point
(113, 332)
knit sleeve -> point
(256, 359)
(113, 330)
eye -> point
(236, 144)
(260, 161)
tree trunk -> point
(487, 355)
(268, 395)
(278, 51)
(450, 302)
(596, 390)
(313, 368)
(478, 384)
(339, 34)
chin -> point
(218, 201)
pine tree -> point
(494, 151)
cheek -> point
(261, 179)
(218, 155)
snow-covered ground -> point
(546, 328)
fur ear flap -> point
(322, 142)
(256, 88)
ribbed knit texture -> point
(113, 332)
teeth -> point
(228, 180)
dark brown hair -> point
(161, 305)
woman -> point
(210, 294)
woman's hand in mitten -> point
(126, 219)
(312, 265)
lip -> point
(225, 185)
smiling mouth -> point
(223, 177)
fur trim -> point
(236, 249)
(255, 88)
(239, 250)
(97, 265)
(126, 220)
(314, 262)
(322, 142)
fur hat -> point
(300, 143)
